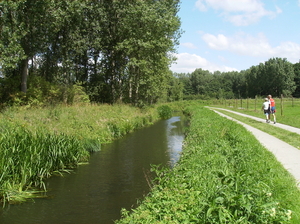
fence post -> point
(281, 104)
(247, 103)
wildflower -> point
(269, 194)
(273, 212)
(289, 214)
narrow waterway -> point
(115, 178)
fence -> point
(256, 104)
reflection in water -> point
(114, 179)
(175, 138)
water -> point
(115, 178)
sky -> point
(233, 35)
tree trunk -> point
(24, 75)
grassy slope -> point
(224, 176)
(35, 143)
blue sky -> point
(233, 35)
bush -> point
(164, 112)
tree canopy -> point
(116, 50)
(112, 51)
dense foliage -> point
(276, 76)
(114, 50)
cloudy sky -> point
(229, 35)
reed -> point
(28, 158)
(38, 142)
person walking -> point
(266, 108)
(272, 108)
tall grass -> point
(224, 176)
(35, 143)
(27, 158)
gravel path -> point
(286, 154)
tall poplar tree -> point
(25, 32)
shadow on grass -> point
(254, 121)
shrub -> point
(164, 111)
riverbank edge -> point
(115, 126)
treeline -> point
(109, 51)
(276, 76)
(101, 50)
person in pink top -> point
(272, 108)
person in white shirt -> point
(265, 108)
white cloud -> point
(187, 63)
(241, 12)
(189, 45)
(219, 42)
(255, 46)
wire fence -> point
(281, 103)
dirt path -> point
(286, 154)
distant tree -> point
(296, 66)
(254, 78)
(200, 81)
(239, 84)
(175, 89)
(280, 77)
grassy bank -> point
(224, 176)
(36, 143)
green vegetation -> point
(250, 83)
(28, 158)
(164, 111)
(103, 54)
(99, 46)
(36, 143)
(223, 176)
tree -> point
(280, 77)
(297, 79)
(200, 80)
(149, 42)
(25, 27)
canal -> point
(115, 178)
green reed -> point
(28, 158)
(37, 142)
(224, 176)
